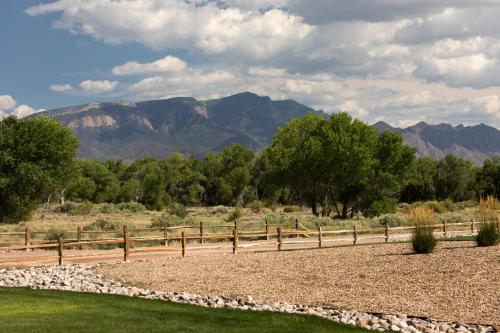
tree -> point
(488, 178)
(298, 158)
(420, 185)
(454, 179)
(35, 155)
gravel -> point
(457, 283)
(82, 278)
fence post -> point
(444, 229)
(60, 248)
(27, 238)
(320, 237)
(498, 223)
(126, 244)
(201, 233)
(267, 230)
(235, 240)
(280, 239)
(79, 237)
(387, 232)
(472, 225)
(297, 227)
(165, 234)
(354, 234)
(184, 243)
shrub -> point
(291, 209)
(486, 214)
(107, 208)
(235, 214)
(133, 207)
(165, 219)
(219, 210)
(178, 210)
(423, 240)
(386, 205)
(53, 234)
(107, 225)
(65, 208)
(84, 208)
(256, 206)
(449, 205)
(392, 220)
(465, 204)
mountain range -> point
(157, 128)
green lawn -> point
(25, 310)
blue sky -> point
(399, 61)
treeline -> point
(337, 166)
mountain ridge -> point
(157, 128)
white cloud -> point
(98, 86)
(266, 71)
(166, 65)
(164, 24)
(25, 110)
(61, 87)
(7, 102)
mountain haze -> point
(158, 128)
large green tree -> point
(488, 178)
(454, 179)
(36, 156)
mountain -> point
(158, 128)
(473, 143)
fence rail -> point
(296, 236)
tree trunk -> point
(45, 211)
(344, 210)
(314, 206)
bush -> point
(465, 204)
(133, 207)
(487, 234)
(449, 205)
(53, 234)
(291, 209)
(107, 208)
(235, 214)
(256, 206)
(392, 220)
(436, 206)
(386, 205)
(423, 240)
(219, 210)
(65, 208)
(106, 225)
(166, 220)
(178, 210)
(84, 208)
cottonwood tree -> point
(35, 155)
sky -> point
(399, 61)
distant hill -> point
(473, 143)
(158, 128)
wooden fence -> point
(273, 234)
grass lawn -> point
(26, 310)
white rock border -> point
(81, 278)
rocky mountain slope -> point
(474, 143)
(158, 128)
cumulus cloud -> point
(167, 64)
(61, 87)
(25, 110)
(164, 24)
(7, 102)
(98, 86)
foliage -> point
(256, 206)
(291, 209)
(66, 208)
(423, 240)
(392, 220)
(166, 220)
(107, 225)
(53, 234)
(234, 215)
(133, 207)
(488, 178)
(219, 210)
(385, 205)
(454, 179)
(36, 157)
(486, 214)
(178, 210)
(84, 208)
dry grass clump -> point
(423, 240)
(486, 214)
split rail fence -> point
(273, 235)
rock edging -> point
(81, 278)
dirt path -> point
(459, 282)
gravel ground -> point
(458, 282)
